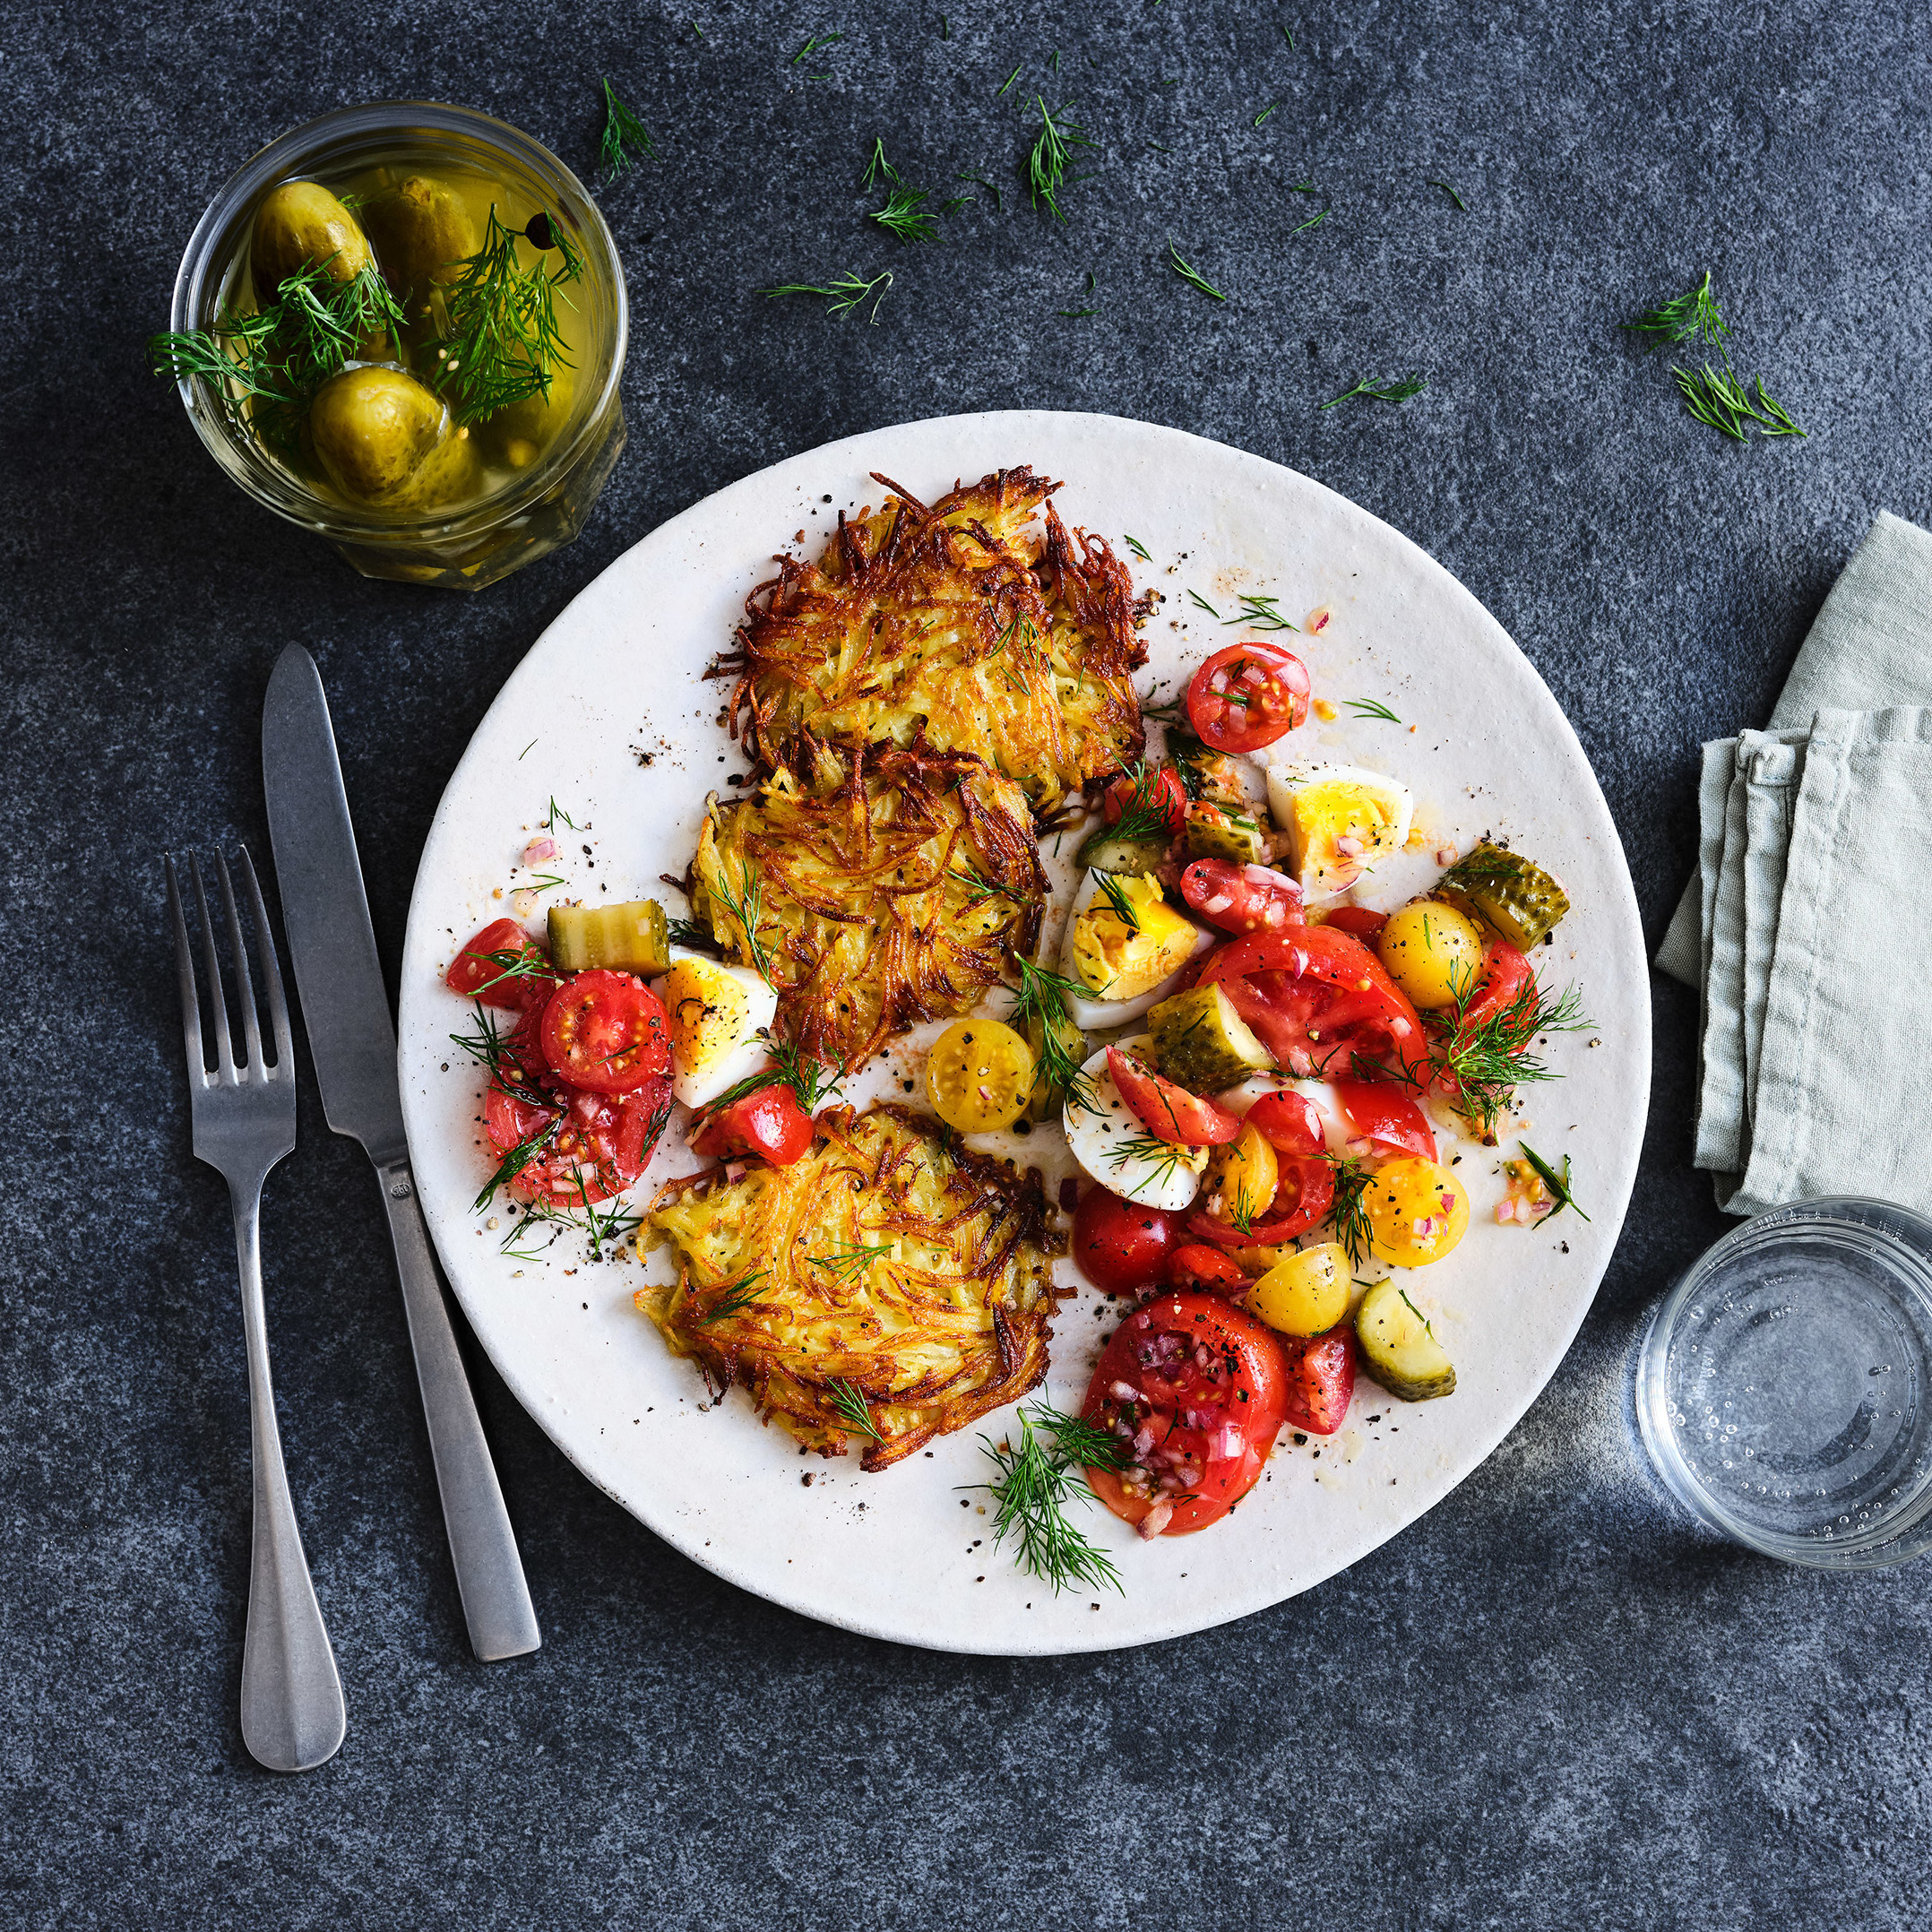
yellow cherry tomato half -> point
(1433, 952)
(977, 1075)
(1305, 1293)
(1416, 1211)
(1242, 1176)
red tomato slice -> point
(597, 1143)
(1241, 899)
(493, 968)
(1506, 971)
(1377, 1112)
(1321, 1381)
(767, 1122)
(1357, 919)
(1305, 1188)
(1193, 1388)
(1195, 1265)
(1317, 997)
(1119, 1245)
(605, 1031)
(1289, 1123)
(1158, 792)
(1248, 695)
(1167, 1112)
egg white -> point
(699, 1086)
(1096, 1015)
(1094, 1134)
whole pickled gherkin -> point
(1201, 1043)
(1514, 893)
(627, 938)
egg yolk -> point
(709, 1013)
(1118, 960)
(1336, 828)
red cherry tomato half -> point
(1167, 1112)
(1158, 792)
(1305, 1189)
(1357, 919)
(1377, 1112)
(1321, 1381)
(494, 969)
(1241, 899)
(1120, 1245)
(605, 1031)
(1195, 1265)
(1248, 695)
(768, 1122)
(1289, 1123)
(1193, 1388)
(1506, 971)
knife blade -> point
(352, 1041)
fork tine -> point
(277, 1007)
(251, 1025)
(191, 1006)
(217, 999)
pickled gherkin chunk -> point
(1399, 1348)
(1514, 893)
(1107, 851)
(1201, 1043)
(627, 938)
(1212, 831)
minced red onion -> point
(1124, 1391)
(1155, 1520)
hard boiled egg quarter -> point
(716, 1015)
(1109, 1141)
(1339, 820)
(1123, 969)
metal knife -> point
(352, 1039)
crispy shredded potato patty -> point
(940, 624)
(891, 899)
(889, 1268)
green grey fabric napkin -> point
(1810, 920)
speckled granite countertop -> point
(1550, 1703)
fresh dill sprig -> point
(1084, 1443)
(1397, 390)
(1717, 397)
(877, 168)
(1487, 1061)
(848, 292)
(1195, 596)
(1692, 316)
(1314, 221)
(1347, 1211)
(1143, 818)
(812, 1082)
(1260, 613)
(953, 204)
(503, 343)
(1040, 1001)
(605, 1229)
(1008, 82)
(1192, 276)
(744, 906)
(1138, 547)
(901, 215)
(1034, 1483)
(1372, 708)
(1165, 1156)
(814, 45)
(1265, 112)
(557, 815)
(622, 134)
(1559, 1186)
(734, 1298)
(979, 887)
(526, 964)
(518, 1157)
(492, 1050)
(1052, 152)
(992, 188)
(1118, 902)
(849, 1400)
(690, 933)
(1436, 181)
(844, 1265)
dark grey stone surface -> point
(1548, 1703)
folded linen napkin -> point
(1811, 915)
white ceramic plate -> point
(608, 715)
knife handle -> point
(489, 1573)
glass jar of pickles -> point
(402, 326)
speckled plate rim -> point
(881, 1556)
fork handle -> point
(292, 1714)
(489, 1572)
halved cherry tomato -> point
(1248, 695)
(1241, 899)
(1506, 971)
(588, 1146)
(605, 1031)
(1191, 1387)
(1316, 997)
(1118, 1244)
(1193, 1265)
(1167, 1112)
(1305, 1190)
(1377, 1112)
(495, 967)
(768, 1121)
(1357, 919)
(1321, 1381)
(1158, 792)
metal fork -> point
(292, 1715)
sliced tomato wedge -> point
(1248, 695)
(1194, 1264)
(503, 966)
(1357, 919)
(1241, 899)
(1317, 997)
(768, 1122)
(1192, 1388)
(1306, 1187)
(1506, 971)
(1167, 1112)
(606, 1033)
(575, 1148)
(1321, 1381)
(1158, 792)
(1377, 1112)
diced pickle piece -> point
(1215, 833)
(1201, 1043)
(627, 938)
(1106, 851)
(1399, 1350)
(1514, 893)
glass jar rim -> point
(284, 156)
